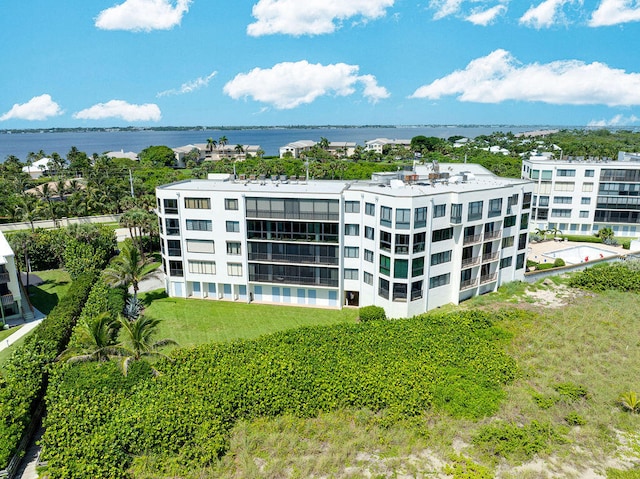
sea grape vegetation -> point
(454, 363)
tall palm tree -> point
(127, 269)
(211, 144)
(138, 341)
(96, 338)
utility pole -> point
(131, 183)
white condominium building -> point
(10, 288)
(406, 241)
(582, 196)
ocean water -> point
(269, 139)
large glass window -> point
(234, 269)
(402, 244)
(368, 255)
(403, 218)
(351, 252)
(401, 268)
(369, 232)
(199, 225)
(197, 203)
(230, 204)
(170, 206)
(385, 216)
(352, 207)
(442, 235)
(233, 247)
(420, 217)
(174, 248)
(385, 265)
(200, 246)
(175, 268)
(495, 207)
(350, 273)
(383, 288)
(475, 210)
(172, 226)
(417, 266)
(369, 209)
(352, 229)
(456, 213)
(419, 240)
(368, 278)
(439, 280)
(439, 211)
(233, 226)
(439, 258)
(416, 290)
(509, 221)
(399, 291)
(202, 267)
(385, 241)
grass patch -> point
(5, 333)
(46, 296)
(5, 353)
(155, 261)
(197, 321)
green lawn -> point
(4, 333)
(197, 321)
(55, 286)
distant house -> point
(53, 188)
(296, 148)
(215, 152)
(378, 144)
(123, 154)
(11, 298)
(38, 168)
(182, 151)
(459, 143)
(496, 149)
(342, 148)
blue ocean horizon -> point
(270, 139)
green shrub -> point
(575, 419)
(623, 474)
(583, 239)
(543, 266)
(618, 276)
(544, 401)
(558, 263)
(570, 392)
(531, 263)
(517, 443)
(464, 468)
(371, 313)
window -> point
(202, 267)
(589, 173)
(369, 232)
(170, 207)
(234, 269)
(442, 235)
(439, 211)
(352, 207)
(173, 226)
(352, 230)
(507, 242)
(230, 204)
(200, 246)
(383, 288)
(587, 187)
(439, 280)
(416, 290)
(175, 268)
(350, 273)
(543, 188)
(403, 219)
(233, 247)
(509, 221)
(495, 207)
(526, 201)
(174, 248)
(197, 203)
(439, 258)
(385, 241)
(564, 200)
(368, 255)
(543, 201)
(506, 262)
(564, 186)
(535, 174)
(584, 214)
(385, 216)
(560, 213)
(399, 291)
(368, 278)
(385, 265)
(369, 209)
(351, 252)
(520, 261)
(233, 226)
(420, 217)
(419, 240)
(456, 213)
(475, 210)
(566, 172)
(522, 241)
(546, 174)
(585, 201)
(524, 221)
(199, 225)
(417, 267)
(401, 268)
(402, 244)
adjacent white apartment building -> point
(408, 241)
(578, 196)
(10, 289)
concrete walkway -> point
(23, 331)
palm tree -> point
(239, 149)
(211, 144)
(96, 337)
(323, 143)
(127, 269)
(138, 340)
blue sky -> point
(315, 62)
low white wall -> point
(61, 222)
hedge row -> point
(26, 377)
(450, 362)
(618, 276)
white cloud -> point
(485, 17)
(143, 15)
(444, 8)
(545, 14)
(190, 86)
(288, 85)
(38, 108)
(311, 17)
(614, 12)
(618, 120)
(120, 109)
(499, 77)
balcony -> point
(489, 257)
(6, 299)
(293, 258)
(468, 284)
(301, 280)
(488, 278)
(456, 220)
(4, 278)
(491, 235)
(470, 261)
(472, 239)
